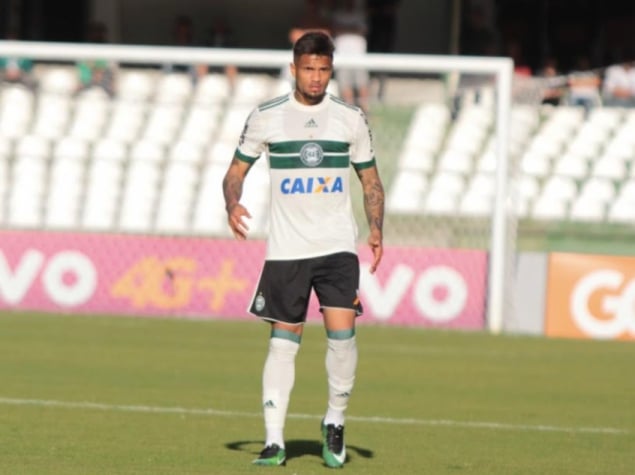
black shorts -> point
(284, 288)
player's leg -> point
(281, 298)
(336, 286)
(278, 378)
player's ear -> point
(292, 69)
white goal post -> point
(501, 246)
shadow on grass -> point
(298, 448)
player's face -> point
(312, 74)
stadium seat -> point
(32, 146)
(52, 117)
(135, 86)
(71, 148)
(211, 89)
(148, 151)
(183, 151)
(109, 150)
(200, 124)
(414, 160)
(222, 152)
(558, 188)
(63, 201)
(528, 187)
(535, 164)
(571, 165)
(622, 210)
(101, 199)
(588, 209)
(139, 196)
(598, 189)
(59, 80)
(163, 123)
(125, 121)
(16, 111)
(457, 161)
(476, 205)
(549, 208)
(439, 202)
(180, 180)
(209, 212)
(173, 88)
(26, 191)
(406, 192)
(251, 89)
(611, 167)
(91, 113)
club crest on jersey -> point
(317, 184)
(311, 154)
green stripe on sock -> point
(285, 335)
(340, 334)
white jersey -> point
(310, 150)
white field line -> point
(375, 420)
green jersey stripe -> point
(294, 146)
(328, 161)
(245, 158)
(273, 103)
(364, 165)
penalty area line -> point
(87, 405)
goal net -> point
(446, 136)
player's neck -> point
(307, 100)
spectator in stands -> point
(584, 85)
(16, 69)
(349, 26)
(478, 38)
(221, 36)
(96, 73)
(183, 35)
(313, 18)
(382, 29)
(554, 89)
(619, 85)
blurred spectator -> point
(16, 69)
(554, 85)
(478, 38)
(96, 73)
(619, 85)
(382, 29)
(313, 18)
(183, 35)
(514, 50)
(349, 35)
(584, 85)
(221, 36)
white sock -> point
(341, 363)
(277, 382)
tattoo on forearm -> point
(374, 204)
(232, 187)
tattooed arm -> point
(374, 206)
(232, 191)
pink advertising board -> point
(215, 278)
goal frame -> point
(501, 252)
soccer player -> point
(311, 139)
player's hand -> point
(236, 216)
(377, 248)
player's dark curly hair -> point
(314, 42)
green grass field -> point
(113, 395)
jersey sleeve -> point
(252, 140)
(362, 152)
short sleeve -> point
(362, 152)
(252, 139)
